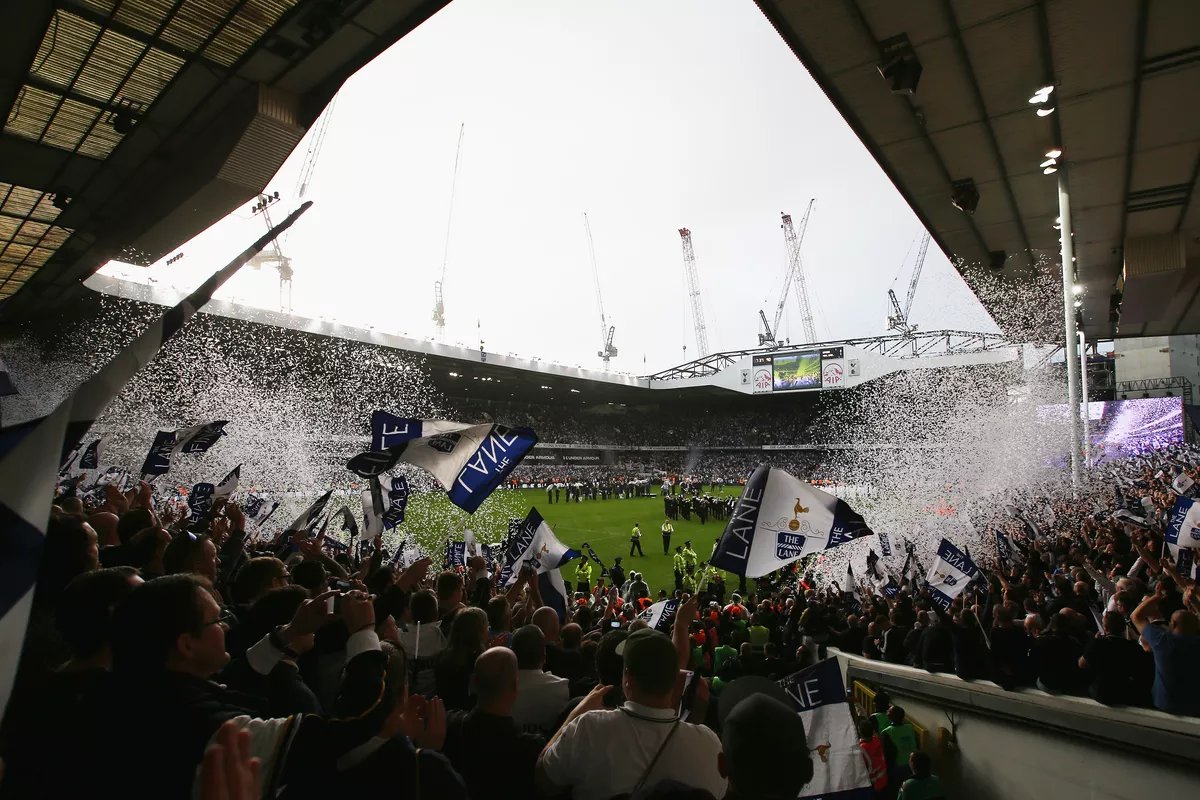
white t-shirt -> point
(541, 697)
(605, 753)
(421, 650)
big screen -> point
(1121, 428)
(796, 371)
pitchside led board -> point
(803, 369)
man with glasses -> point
(163, 707)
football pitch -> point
(604, 524)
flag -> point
(307, 519)
(158, 460)
(200, 500)
(395, 493)
(199, 438)
(258, 509)
(474, 547)
(469, 461)
(1183, 526)
(819, 697)
(456, 554)
(7, 386)
(32, 452)
(885, 544)
(536, 545)
(778, 520)
(553, 589)
(1004, 550)
(92, 454)
(228, 484)
(196, 439)
(592, 555)
(349, 524)
(661, 615)
(950, 573)
(1183, 484)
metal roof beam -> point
(977, 94)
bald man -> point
(486, 747)
(560, 661)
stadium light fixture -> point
(1049, 162)
(574, 391)
(1078, 303)
(1045, 112)
(1077, 289)
(453, 374)
(1049, 170)
(1041, 95)
(1055, 153)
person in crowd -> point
(616, 575)
(541, 696)
(163, 708)
(486, 741)
(923, 785)
(873, 755)
(643, 741)
(450, 589)
(1119, 672)
(1054, 657)
(422, 640)
(760, 735)
(1176, 649)
(583, 575)
(667, 530)
(899, 742)
(452, 667)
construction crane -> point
(793, 276)
(607, 351)
(439, 305)
(898, 319)
(693, 280)
(274, 257)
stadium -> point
(893, 564)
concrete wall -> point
(1032, 745)
(1141, 359)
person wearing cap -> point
(765, 752)
(643, 742)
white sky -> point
(650, 115)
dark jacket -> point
(157, 727)
(491, 753)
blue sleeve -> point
(1155, 635)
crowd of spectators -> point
(156, 639)
(627, 426)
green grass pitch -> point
(604, 524)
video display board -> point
(796, 371)
(1122, 428)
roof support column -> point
(1070, 341)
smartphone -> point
(615, 624)
(333, 604)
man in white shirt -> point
(602, 753)
(541, 696)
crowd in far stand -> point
(164, 655)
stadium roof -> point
(1123, 75)
(132, 125)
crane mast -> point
(439, 305)
(607, 351)
(898, 319)
(796, 274)
(693, 280)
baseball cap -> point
(650, 660)
(760, 731)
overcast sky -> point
(650, 115)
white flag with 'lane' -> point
(780, 519)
